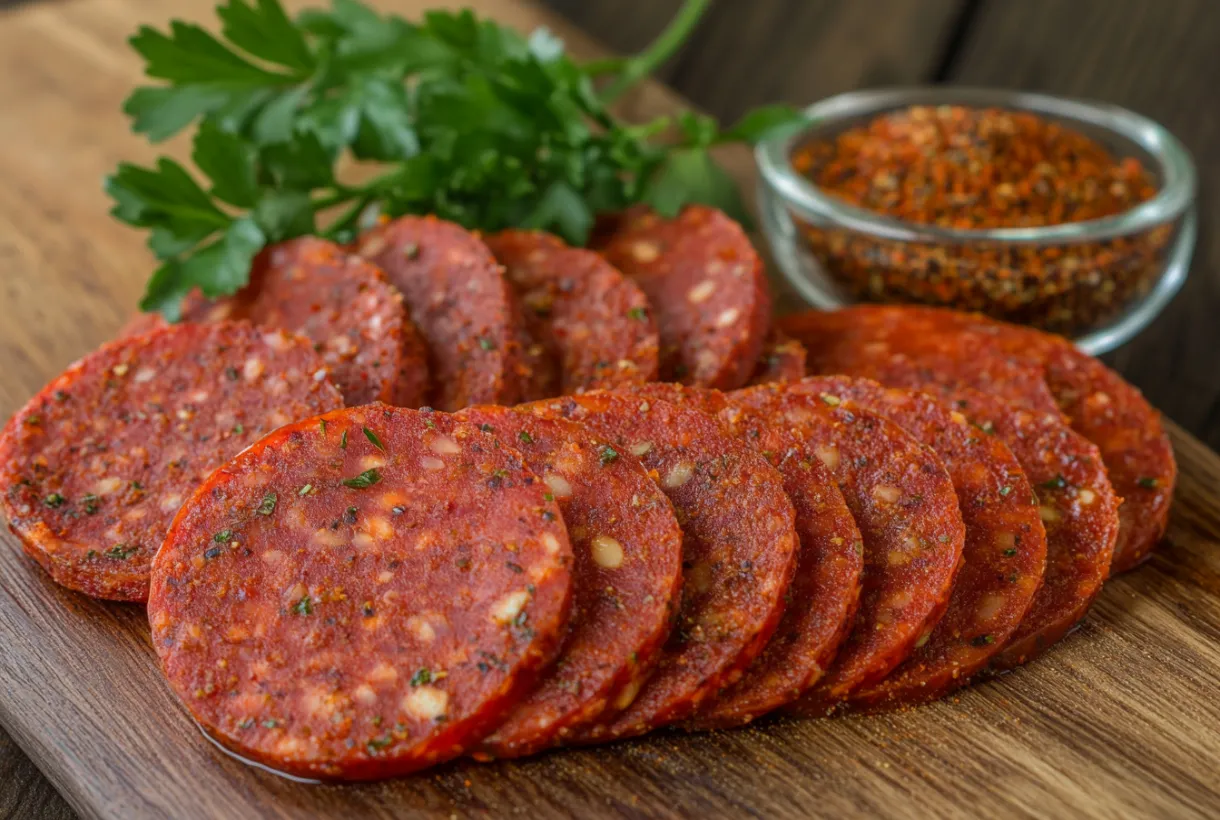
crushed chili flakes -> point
(973, 168)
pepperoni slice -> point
(903, 502)
(970, 350)
(94, 467)
(782, 360)
(590, 318)
(627, 577)
(1004, 557)
(344, 305)
(460, 300)
(706, 283)
(1078, 508)
(739, 548)
(361, 595)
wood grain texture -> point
(24, 793)
(1161, 60)
(1121, 720)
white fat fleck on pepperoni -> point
(319, 375)
(509, 607)
(957, 417)
(645, 252)
(728, 317)
(678, 475)
(640, 449)
(988, 607)
(237, 633)
(185, 415)
(198, 396)
(1086, 496)
(559, 485)
(382, 673)
(421, 629)
(107, 485)
(627, 696)
(431, 463)
(426, 703)
(364, 695)
(1049, 515)
(385, 576)
(701, 292)
(170, 502)
(705, 360)
(444, 445)
(253, 369)
(606, 551)
(291, 747)
(144, 374)
(886, 494)
(372, 462)
(828, 455)
(326, 537)
(363, 540)
(380, 528)
(551, 543)
(119, 370)
(277, 340)
(273, 557)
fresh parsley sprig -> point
(453, 116)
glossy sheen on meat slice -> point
(904, 505)
(739, 548)
(1078, 508)
(707, 287)
(626, 583)
(461, 302)
(782, 360)
(825, 590)
(592, 320)
(344, 305)
(361, 595)
(93, 468)
(1004, 557)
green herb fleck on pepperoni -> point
(238, 429)
(121, 552)
(343, 441)
(487, 428)
(366, 479)
(54, 500)
(303, 606)
(549, 496)
(982, 640)
(322, 426)
(33, 421)
(832, 401)
(306, 490)
(1004, 491)
(486, 344)
(411, 250)
(372, 437)
(60, 395)
(232, 373)
(1148, 482)
(1056, 483)
(637, 313)
(267, 505)
(271, 723)
(376, 744)
(89, 502)
(223, 537)
(525, 437)
(248, 723)
(607, 454)
(421, 677)
(1010, 552)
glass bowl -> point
(1098, 281)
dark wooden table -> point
(1158, 58)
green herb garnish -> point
(372, 437)
(366, 479)
(267, 505)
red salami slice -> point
(902, 346)
(346, 306)
(1078, 508)
(972, 351)
(903, 502)
(1004, 557)
(627, 580)
(707, 286)
(739, 548)
(94, 467)
(361, 595)
(825, 589)
(460, 300)
(592, 320)
(782, 360)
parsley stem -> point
(660, 50)
(610, 65)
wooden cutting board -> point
(1122, 719)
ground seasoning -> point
(964, 168)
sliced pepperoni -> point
(1000, 359)
(590, 318)
(901, 346)
(627, 577)
(460, 300)
(782, 360)
(1004, 557)
(739, 548)
(94, 467)
(707, 286)
(361, 595)
(903, 502)
(1078, 508)
(825, 589)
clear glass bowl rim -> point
(1175, 167)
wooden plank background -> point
(1159, 58)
